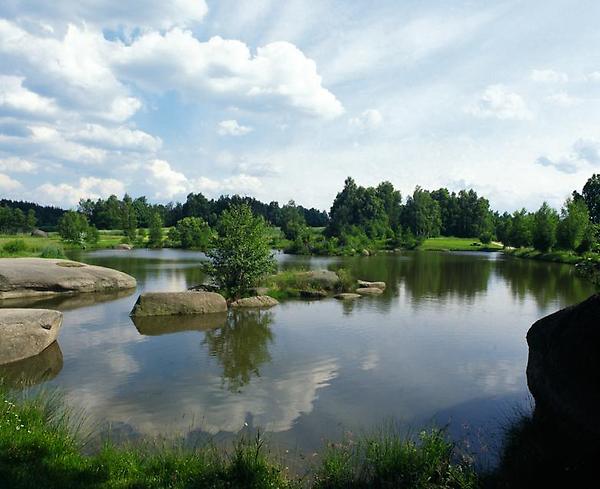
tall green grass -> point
(39, 449)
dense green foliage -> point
(361, 220)
(155, 232)
(46, 216)
(191, 232)
(74, 228)
(13, 220)
(240, 254)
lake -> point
(444, 344)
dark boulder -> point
(563, 369)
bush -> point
(241, 255)
(15, 246)
(52, 251)
(486, 237)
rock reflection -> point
(241, 346)
(159, 325)
(34, 370)
(68, 302)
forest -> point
(360, 218)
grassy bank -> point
(39, 449)
(558, 256)
(450, 243)
(22, 245)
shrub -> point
(15, 246)
(241, 255)
(52, 251)
(486, 237)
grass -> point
(387, 459)
(39, 449)
(450, 243)
(39, 246)
(288, 284)
(556, 256)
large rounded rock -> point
(563, 370)
(174, 303)
(26, 277)
(27, 332)
(319, 279)
(38, 233)
(257, 301)
(371, 285)
(346, 296)
(369, 291)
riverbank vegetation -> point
(39, 448)
(361, 220)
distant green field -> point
(35, 245)
(450, 243)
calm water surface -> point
(444, 344)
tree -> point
(129, 219)
(545, 222)
(422, 214)
(521, 229)
(193, 232)
(155, 231)
(574, 224)
(591, 195)
(241, 256)
(74, 227)
(292, 221)
(31, 219)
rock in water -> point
(26, 277)
(27, 332)
(345, 296)
(369, 291)
(374, 285)
(257, 301)
(563, 369)
(174, 303)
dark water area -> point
(444, 344)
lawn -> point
(35, 245)
(450, 243)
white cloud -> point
(120, 138)
(368, 120)
(548, 76)
(278, 72)
(239, 184)
(594, 76)
(167, 181)
(73, 70)
(15, 164)
(584, 153)
(88, 187)
(8, 184)
(111, 13)
(498, 102)
(232, 128)
(14, 97)
(52, 142)
(563, 99)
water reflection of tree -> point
(446, 275)
(546, 282)
(241, 346)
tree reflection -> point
(241, 346)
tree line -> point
(359, 218)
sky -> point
(284, 100)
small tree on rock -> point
(241, 255)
